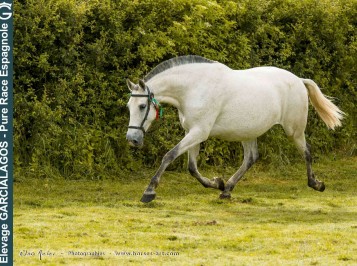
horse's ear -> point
(131, 85)
(142, 84)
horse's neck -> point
(174, 86)
(168, 89)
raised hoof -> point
(318, 185)
(224, 196)
(146, 198)
(219, 182)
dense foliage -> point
(72, 58)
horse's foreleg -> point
(250, 157)
(217, 182)
(193, 138)
(150, 193)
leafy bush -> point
(72, 58)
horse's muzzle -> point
(135, 140)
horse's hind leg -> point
(217, 182)
(305, 149)
(250, 157)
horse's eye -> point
(142, 106)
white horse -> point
(214, 100)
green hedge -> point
(72, 58)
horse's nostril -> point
(134, 142)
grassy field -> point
(273, 218)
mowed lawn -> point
(273, 218)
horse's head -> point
(142, 108)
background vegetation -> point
(72, 58)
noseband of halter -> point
(151, 100)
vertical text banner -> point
(6, 132)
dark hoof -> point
(224, 196)
(220, 183)
(146, 198)
(318, 185)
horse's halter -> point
(151, 100)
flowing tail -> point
(328, 112)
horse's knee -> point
(171, 155)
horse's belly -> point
(239, 134)
(240, 126)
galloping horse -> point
(214, 100)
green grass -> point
(273, 218)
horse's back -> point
(273, 85)
(256, 99)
